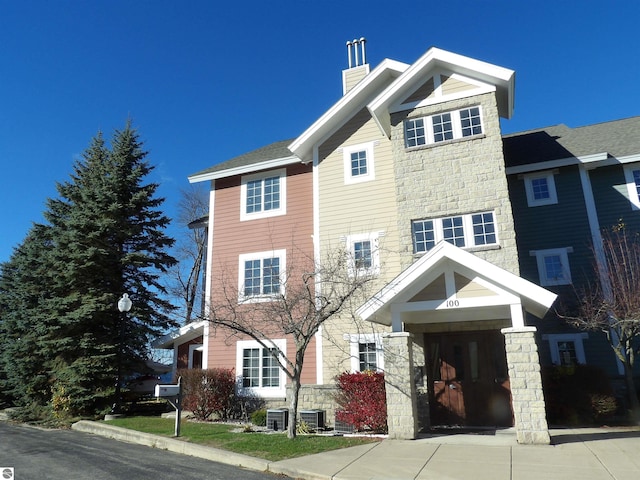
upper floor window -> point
(471, 230)
(553, 266)
(632, 177)
(540, 189)
(358, 163)
(261, 275)
(364, 254)
(263, 195)
(442, 127)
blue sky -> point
(205, 81)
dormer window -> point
(443, 127)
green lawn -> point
(269, 446)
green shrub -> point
(259, 417)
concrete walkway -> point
(584, 454)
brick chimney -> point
(358, 66)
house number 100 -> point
(453, 303)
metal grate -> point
(277, 418)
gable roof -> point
(346, 107)
(273, 155)
(445, 256)
(502, 78)
(601, 142)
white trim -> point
(594, 160)
(193, 348)
(281, 210)
(576, 338)
(355, 339)
(316, 256)
(562, 253)
(243, 257)
(368, 148)
(632, 189)
(270, 392)
(548, 175)
(254, 167)
(374, 239)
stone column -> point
(526, 385)
(402, 412)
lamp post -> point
(124, 305)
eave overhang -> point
(435, 59)
(251, 168)
(345, 108)
(180, 335)
(396, 295)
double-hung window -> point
(261, 275)
(263, 195)
(366, 352)
(540, 188)
(553, 266)
(471, 230)
(442, 127)
(259, 368)
(566, 348)
(364, 257)
(358, 163)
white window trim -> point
(551, 185)
(281, 254)
(195, 348)
(355, 339)
(346, 155)
(456, 124)
(282, 175)
(265, 392)
(632, 192)
(374, 238)
(576, 338)
(467, 226)
(564, 259)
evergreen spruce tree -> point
(106, 237)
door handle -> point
(452, 386)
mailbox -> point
(167, 390)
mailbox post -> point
(173, 395)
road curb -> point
(172, 445)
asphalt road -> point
(37, 454)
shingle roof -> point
(272, 151)
(618, 138)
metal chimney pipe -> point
(355, 48)
(349, 53)
(362, 42)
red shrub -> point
(208, 392)
(362, 401)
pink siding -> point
(231, 238)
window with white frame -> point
(566, 348)
(263, 195)
(452, 125)
(471, 230)
(366, 352)
(195, 356)
(258, 367)
(632, 178)
(364, 253)
(553, 266)
(261, 275)
(358, 163)
(540, 188)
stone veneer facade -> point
(455, 177)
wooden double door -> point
(467, 373)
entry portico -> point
(445, 311)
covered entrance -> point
(460, 320)
(469, 382)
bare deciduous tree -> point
(311, 293)
(190, 251)
(612, 304)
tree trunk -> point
(293, 406)
(634, 403)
